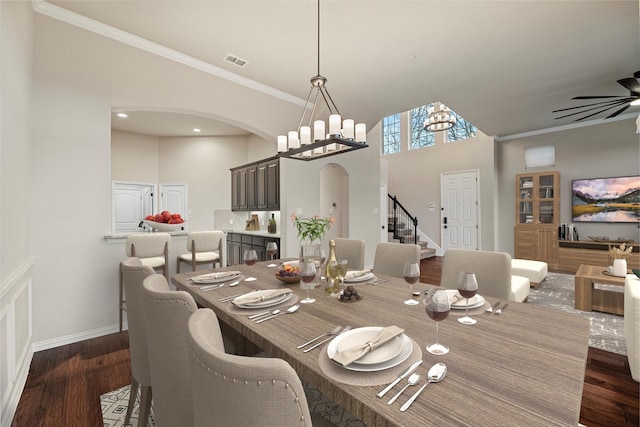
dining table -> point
(523, 367)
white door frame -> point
(474, 242)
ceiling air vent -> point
(235, 60)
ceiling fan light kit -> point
(342, 136)
(612, 101)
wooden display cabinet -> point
(537, 216)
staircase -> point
(403, 228)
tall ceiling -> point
(503, 65)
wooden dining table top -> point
(524, 367)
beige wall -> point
(134, 157)
(605, 150)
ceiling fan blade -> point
(603, 103)
(600, 109)
(598, 97)
(632, 84)
(618, 111)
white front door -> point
(460, 210)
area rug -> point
(114, 408)
(557, 292)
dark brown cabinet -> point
(256, 186)
(237, 243)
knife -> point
(409, 370)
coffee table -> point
(588, 298)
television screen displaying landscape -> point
(606, 199)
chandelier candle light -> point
(342, 136)
(439, 118)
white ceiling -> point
(503, 65)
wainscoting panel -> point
(15, 339)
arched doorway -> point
(334, 199)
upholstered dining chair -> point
(240, 391)
(352, 250)
(153, 250)
(167, 313)
(205, 247)
(390, 257)
(134, 273)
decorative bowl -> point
(288, 279)
(161, 226)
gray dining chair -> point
(390, 258)
(352, 250)
(133, 275)
(205, 247)
(240, 391)
(152, 249)
(166, 315)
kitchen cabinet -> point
(238, 243)
(256, 186)
(537, 216)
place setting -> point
(366, 356)
(216, 280)
(256, 302)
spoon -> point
(413, 380)
(435, 375)
(231, 285)
(290, 310)
(333, 332)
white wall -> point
(16, 55)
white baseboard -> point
(81, 336)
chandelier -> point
(342, 135)
(439, 118)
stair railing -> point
(399, 218)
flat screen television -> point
(606, 199)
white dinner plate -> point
(461, 304)
(205, 279)
(291, 263)
(362, 278)
(347, 340)
(267, 303)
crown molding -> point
(566, 127)
(72, 18)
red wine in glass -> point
(411, 279)
(307, 274)
(467, 293)
(438, 312)
(467, 287)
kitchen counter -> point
(263, 233)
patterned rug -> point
(557, 292)
(607, 330)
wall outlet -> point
(231, 222)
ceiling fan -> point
(624, 102)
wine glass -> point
(342, 272)
(323, 258)
(334, 273)
(437, 306)
(307, 274)
(411, 273)
(250, 258)
(272, 249)
(467, 287)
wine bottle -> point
(332, 279)
(272, 225)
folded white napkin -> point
(352, 354)
(352, 274)
(218, 275)
(251, 297)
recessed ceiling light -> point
(123, 115)
(196, 130)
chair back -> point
(352, 250)
(492, 270)
(240, 391)
(205, 241)
(167, 313)
(148, 245)
(390, 258)
(133, 275)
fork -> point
(325, 340)
(499, 311)
(490, 309)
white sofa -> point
(632, 323)
(492, 269)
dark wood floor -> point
(65, 383)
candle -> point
(282, 143)
(334, 124)
(305, 135)
(361, 132)
(318, 130)
(347, 128)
